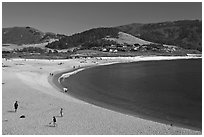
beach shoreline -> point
(29, 78)
(65, 74)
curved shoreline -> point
(64, 74)
(55, 79)
(127, 60)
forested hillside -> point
(89, 36)
(185, 33)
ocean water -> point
(165, 91)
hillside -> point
(124, 38)
(85, 37)
(186, 33)
(25, 35)
(97, 37)
(155, 37)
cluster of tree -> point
(48, 35)
(5, 52)
(97, 43)
(31, 50)
(186, 33)
(82, 39)
(153, 46)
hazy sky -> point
(68, 18)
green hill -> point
(85, 38)
(25, 35)
(185, 33)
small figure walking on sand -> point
(61, 112)
(65, 89)
(16, 106)
(53, 121)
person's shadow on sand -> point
(5, 120)
(11, 111)
(49, 125)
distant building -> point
(115, 51)
(110, 50)
(104, 49)
(136, 48)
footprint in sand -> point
(11, 111)
(5, 120)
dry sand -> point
(27, 82)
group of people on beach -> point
(54, 120)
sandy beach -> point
(29, 82)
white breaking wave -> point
(66, 75)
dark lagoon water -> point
(164, 91)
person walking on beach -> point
(54, 121)
(16, 106)
(61, 112)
